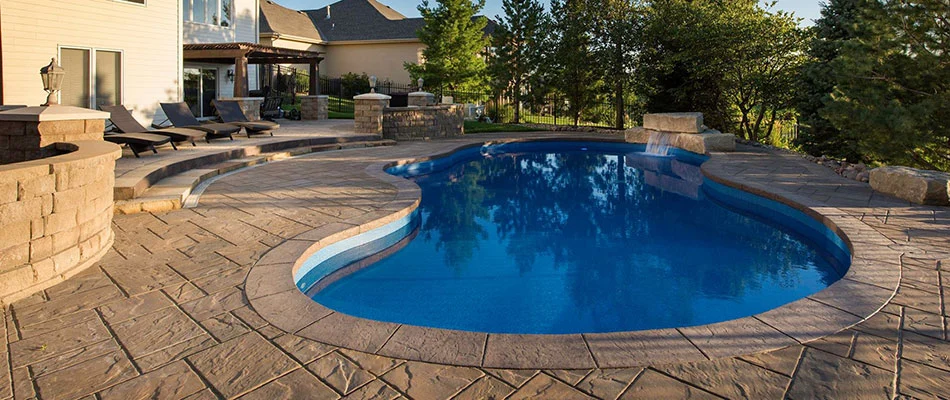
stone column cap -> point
(421, 94)
(240, 98)
(372, 96)
(51, 113)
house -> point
(137, 52)
(114, 51)
(357, 36)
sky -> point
(807, 9)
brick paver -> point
(166, 315)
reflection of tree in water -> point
(451, 212)
(596, 217)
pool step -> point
(172, 192)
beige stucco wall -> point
(148, 36)
(385, 60)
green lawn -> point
(340, 115)
(484, 127)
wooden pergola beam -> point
(242, 54)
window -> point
(93, 77)
(212, 12)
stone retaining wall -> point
(56, 216)
(408, 123)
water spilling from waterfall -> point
(659, 143)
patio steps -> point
(173, 192)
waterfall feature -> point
(659, 143)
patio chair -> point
(271, 107)
(231, 113)
(180, 116)
(139, 142)
(123, 120)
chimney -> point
(328, 12)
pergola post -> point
(314, 78)
(240, 76)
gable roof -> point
(349, 20)
(275, 18)
(363, 20)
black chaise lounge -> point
(180, 116)
(123, 120)
(139, 142)
(231, 113)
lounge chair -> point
(180, 116)
(231, 113)
(123, 120)
(139, 142)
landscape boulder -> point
(914, 185)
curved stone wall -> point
(56, 216)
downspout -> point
(1, 57)
(181, 53)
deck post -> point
(240, 76)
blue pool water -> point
(574, 237)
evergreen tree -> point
(817, 136)
(617, 25)
(455, 43)
(518, 43)
(893, 90)
(569, 62)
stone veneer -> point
(408, 123)
(250, 105)
(56, 216)
(314, 107)
(29, 133)
(700, 143)
(368, 112)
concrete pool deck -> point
(167, 312)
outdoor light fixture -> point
(52, 75)
(231, 75)
(420, 84)
(372, 84)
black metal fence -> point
(496, 107)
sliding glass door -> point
(201, 88)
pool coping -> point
(869, 284)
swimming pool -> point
(575, 237)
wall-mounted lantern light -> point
(231, 75)
(52, 75)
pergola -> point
(242, 54)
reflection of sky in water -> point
(579, 241)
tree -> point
(455, 42)
(569, 64)
(817, 135)
(893, 84)
(518, 43)
(616, 43)
(733, 61)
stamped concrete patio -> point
(166, 313)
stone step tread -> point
(170, 193)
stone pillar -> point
(421, 99)
(250, 105)
(368, 112)
(29, 133)
(314, 107)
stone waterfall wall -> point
(430, 122)
(56, 216)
